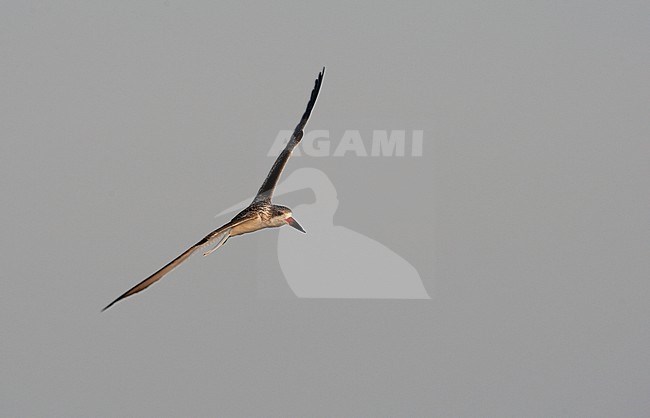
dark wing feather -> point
(156, 276)
(266, 191)
(177, 261)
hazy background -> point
(126, 127)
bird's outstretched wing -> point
(266, 191)
(219, 235)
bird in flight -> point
(260, 214)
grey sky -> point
(126, 127)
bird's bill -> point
(295, 224)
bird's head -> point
(282, 215)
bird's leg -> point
(221, 239)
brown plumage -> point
(260, 214)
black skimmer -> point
(260, 214)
